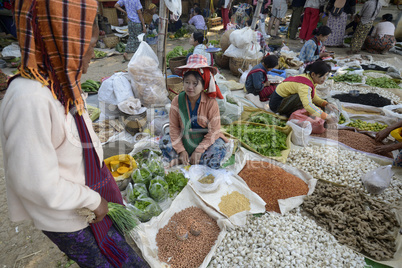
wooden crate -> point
(215, 21)
(111, 15)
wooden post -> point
(163, 22)
(256, 14)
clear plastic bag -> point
(147, 79)
(301, 132)
(244, 74)
(145, 208)
(158, 189)
(155, 166)
(205, 179)
(135, 191)
(377, 180)
(142, 175)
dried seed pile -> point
(344, 167)
(233, 203)
(272, 183)
(190, 251)
(372, 99)
(353, 139)
(354, 219)
(289, 240)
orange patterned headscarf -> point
(53, 36)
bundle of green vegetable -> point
(142, 157)
(158, 189)
(121, 47)
(99, 54)
(351, 78)
(382, 82)
(267, 119)
(90, 86)
(124, 219)
(156, 168)
(134, 192)
(141, 175)
(176, 182)
(145, 209)
(265, 140)
(180, 32)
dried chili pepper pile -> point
(271, 183)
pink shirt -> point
(207, 117)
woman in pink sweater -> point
(53, 159)
(194, 119)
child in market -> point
(257, 80)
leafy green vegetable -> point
(145, 209)
(267, 119)
(141, 157)
(180, 32)
(382, 82)
(137, 190)
(141, 204)
(99, 54)
(176, 182)
(141, 175)
(120, 47)
(351, 78)
(158, 189)
(156, 168)
(124, 219)
(176, 52)
(265, 140)
(215, 43)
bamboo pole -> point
(163, 22)
(256, 14)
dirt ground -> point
(21, 245)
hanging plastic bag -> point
(244, 74)
(158, 189)
(147, 79)
(145, 208)
(135, 191)
(301, 132)
(377, 180)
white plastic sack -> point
(115, 89)
(251, 51)
(175, 7)
(147, 79)
(377, 180)
(388, 110)
(243, 37)
(131, 106)
(244, 74)
(301, 131)
(12, 50)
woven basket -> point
(174, 86)
(221, 60)
(176, 62)
(111, 41)
(236, 63)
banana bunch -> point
(90, 86)
(282, 63)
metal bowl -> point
(354, 93)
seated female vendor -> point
(257, 80)
(298, 92)
(194, 119)
(396, 131)
(313, 48)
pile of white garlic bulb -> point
(341, 166)
(291, 240)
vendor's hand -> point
(384, 148)
(183, 157)
(332, 107)
(101, 210)
(195, 158)
(267, 84)
(324, 55)
(332, 120)
(382, 134)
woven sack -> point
(177, 62)
(236, 63)
(174, 86)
